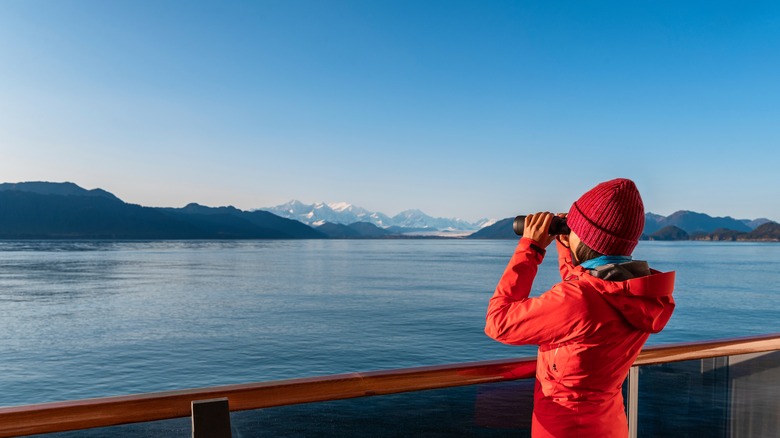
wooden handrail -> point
(702, 350)
(111, 411)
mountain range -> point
(43, 210)
(345, 213)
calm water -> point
(89, 319)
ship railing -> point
(735, 365)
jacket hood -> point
(646, 302)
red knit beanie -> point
(609, 218)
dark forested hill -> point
(769, 231)
(32, 215)
(66, 211)
(692, 222)
(669, 232)
(232, 223)
(357, 230)
(499, 230)
(49, 188)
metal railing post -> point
(633, 401)
(211, 418)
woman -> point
(590, 327)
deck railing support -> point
(633, 401)
(211, 418)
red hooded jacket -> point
(589, 331)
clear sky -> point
(461, 109)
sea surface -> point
(95, 318)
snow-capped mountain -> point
(418, 219)
(335, 213)
(345, 213)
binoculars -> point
(557, 226)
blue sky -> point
(460, 109)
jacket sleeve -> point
(514, 318)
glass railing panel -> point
(730, 396)
(754, 408)
(175, 428)
(489, 410)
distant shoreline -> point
(387, 238)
